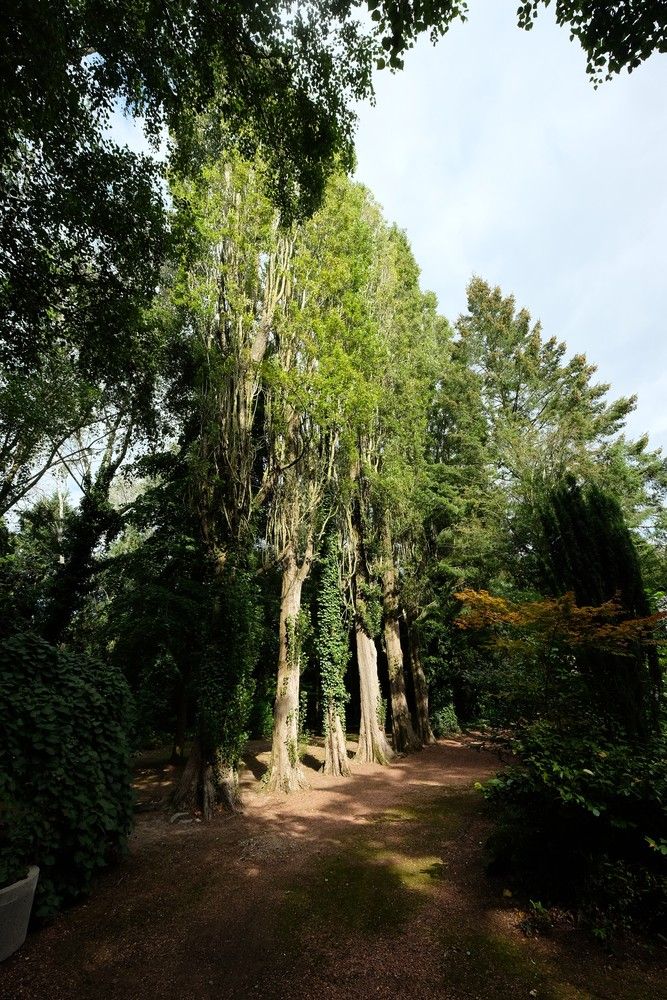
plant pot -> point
(15, 906)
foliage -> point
(154, 620)
(587, 547)
(444, 721)
(225, 682)
(332, 642)
(83, 220)
(303, 734)
(368, 606)
(64, 768)
(29, 561)
(557, 621)
(513, 419)
(614, 36)
(580, 818)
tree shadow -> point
(311, 761)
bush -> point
(65, 796)
(584, 822)
(444, 721)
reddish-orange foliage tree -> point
(556, 621)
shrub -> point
(65, 795)
(444, 721)
(584, 821)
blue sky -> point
(497, 156)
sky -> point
(496, 155)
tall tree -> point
(311, 399)
(589, 550)
(392, 444)
(545, 416)
(513, 417)
(223, 305)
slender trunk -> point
(336, 760)
(208, 778)
(421, 690)
(405, 738)
(373, 746)
(186, 794)
(286, 773)
(226, 783)
(178, 748)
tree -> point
(222, 307)
(544, 418)
(613, 36)
(312, 403)
(82, 221)
(513, 417)
(406, 321)
(550, 632)
(152, 609)
(588, 548)
(39, 416)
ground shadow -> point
(371, 885)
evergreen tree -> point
(589, 550)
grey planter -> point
(15, 906)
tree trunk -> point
(205, 783)
(421, 690)
(373, 746)
(178, 748)
(336, 760)
(285, 772)
(405, 738)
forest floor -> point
(371, 886)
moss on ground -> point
(490, 964)
(359, 890)
(445, 817)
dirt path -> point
(371, 886)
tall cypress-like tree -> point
(588, 549)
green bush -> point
(444, 721)
(583, 821)
(65, 795)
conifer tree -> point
(589, 550)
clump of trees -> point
(244, 459)
(318, 473)
(582, 821)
